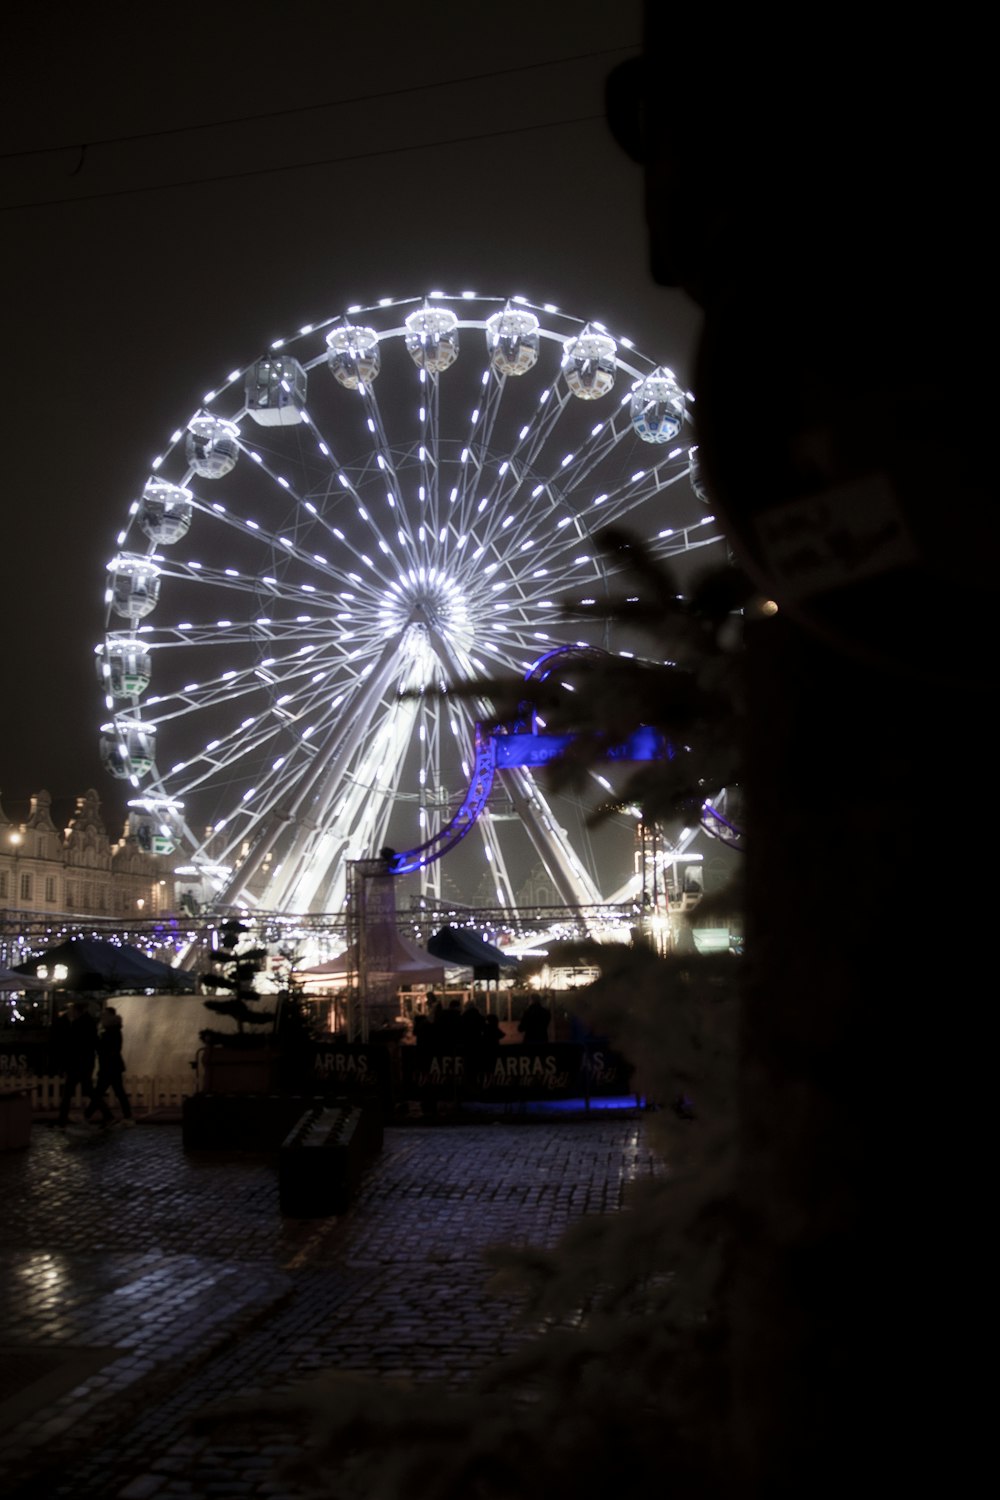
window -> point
(69, 894)
(50, 888)
(26, 886)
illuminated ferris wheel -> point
(392, 502)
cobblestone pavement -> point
(138, 1283)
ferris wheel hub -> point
(435, 601)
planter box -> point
(320, 1163)
(15, 1120)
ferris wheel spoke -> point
(476, 488)
(228, 689)
(635, 492)
(495, 861)
(671, 542)
(553, 403)
(315, 791)
(510, 500)
(385, 459)
(310, 519)
(489, 396)
(220, 754)
(430, 381)
(353, 485)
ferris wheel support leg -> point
(573, 885)
(360, 822)
(236, 886)
(325, 784)
(334, 891)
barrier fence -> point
(161, 1097)
(506, 1075)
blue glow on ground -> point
(628, 1102)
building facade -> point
(77, 872)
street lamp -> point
(15, 840)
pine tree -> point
(236, 966)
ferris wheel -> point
(394, 502)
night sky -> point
(371, 154)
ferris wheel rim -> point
(166, 785)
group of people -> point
(79, 1044)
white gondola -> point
(124, 667)
(353, 356)
(151, 834)
(135, 586)
(512, 341)
(128, 749)
(212, 446)
(153, 823)
(658, 409)
(432, 338)
(164, 511)
(276, 391)
(588, 364)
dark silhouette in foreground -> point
(76, 1044)
(110, 1070)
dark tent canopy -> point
(463, 949)
(93, 964)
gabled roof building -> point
(76, 872)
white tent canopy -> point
(410, 963)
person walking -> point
(78, 1048)
(110, 1070)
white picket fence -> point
(162, 1097)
